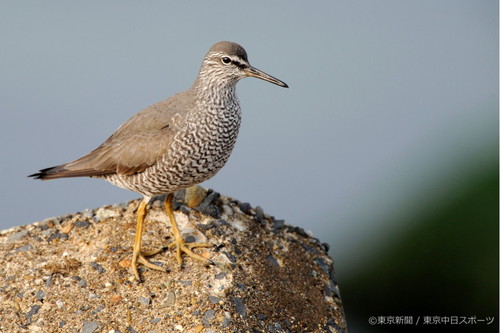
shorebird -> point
(173, 144)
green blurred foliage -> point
(446, 265)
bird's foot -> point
(183, 247)
(179, 243)
(140, 258)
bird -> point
(174, 144)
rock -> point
(97, 267)
(89, 327)
(33, 311)
(211, 210)
(272, 260)
(57, 235)
(40, 295)
(209, 199)
(170, 299)
(98, 309)
(207, 316)
(120, 205)
(104, 213)
(17, 236)
(24, 248)
(82, 283)
(267, 276)
(245, 207)
(88, 214)
(194, 196)
(214, 299)
(241, 308)
(144, 300)
(82, 224)
(259, 214)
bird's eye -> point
(226, 60)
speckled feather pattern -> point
(202, 144)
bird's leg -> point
(137, 256)
(179, 242)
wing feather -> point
(136, 145)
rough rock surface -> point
(71, 273)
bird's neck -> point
(218, 105)
(215, 93)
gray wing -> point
(134, 146)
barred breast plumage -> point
(201, 143)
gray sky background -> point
(388, 101)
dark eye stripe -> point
(238, 64)
(227, 61)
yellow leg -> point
(179, 243)
(137, 256)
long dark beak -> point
(254, 72)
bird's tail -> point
(61, 171)
(51, 173)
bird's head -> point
(227, 63)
